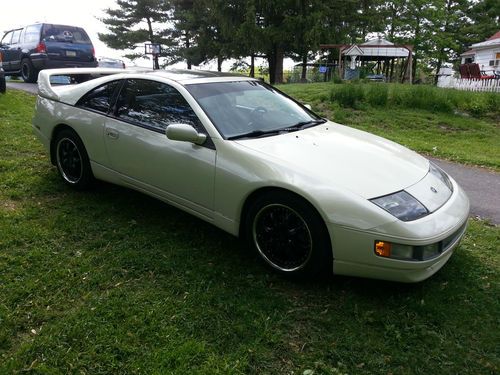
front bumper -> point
(354, 255)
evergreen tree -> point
(135, 22)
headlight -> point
(402, 205)
(439, 173)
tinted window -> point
(154, 104)
(32, 34)
(61, 33)
(6, 38)
(101, 98)
(15, 36)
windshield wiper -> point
(255, 134)
(304, 124)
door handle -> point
(113, 134)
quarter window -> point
(101, 98)
(32, 34)
(154, 105)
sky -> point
(83, 13)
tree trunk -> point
(279, 65)
(271, 58)
(416, 44)
(219, 63)
(303, 77)
(156, 63)
(438, 67)
(252, 65)
(187, 43)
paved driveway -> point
(481, 185)
(29, 87)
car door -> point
(15, 51)
(141, 153)
(6, 40)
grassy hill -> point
(449, 124)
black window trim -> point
(113, 109)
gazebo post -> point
(392, 70)
(410, 64)
(340, 62)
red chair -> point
(464, 71)
(476, 73)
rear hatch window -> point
(67, 42)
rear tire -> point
(72, 161)
(289, 235)
(28, 71)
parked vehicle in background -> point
(3, 85)
(28, 50)
(108, 62)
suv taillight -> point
(41, 48)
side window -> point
(101, 98)
(7, 38)
(32, 34)
(15, 36)
(155, 105)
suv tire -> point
(28, 71)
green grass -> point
(110, 281)
(429, 120)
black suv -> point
(28, 50)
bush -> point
(377, 94)
(349, 95)
(423, 97)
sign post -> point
(155, 50)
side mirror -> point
(185, 133)
(308, 106)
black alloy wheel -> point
(72, 160)
(289, 234)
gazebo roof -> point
(375, 48)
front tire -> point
(289, 235)
(72, 161)
(28, 71)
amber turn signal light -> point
(382, 248)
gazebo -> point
(382, 59)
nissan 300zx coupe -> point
(309, 195)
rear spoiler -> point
(49, 80)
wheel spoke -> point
(69, 160)
(282, 237)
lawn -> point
(112, 281)
(448, 124)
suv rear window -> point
(61, 33)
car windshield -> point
(250, 109)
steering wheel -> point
(257, 114)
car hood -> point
(365, 164)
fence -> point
(491, 85)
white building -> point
(486, 54)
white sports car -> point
(308, 194)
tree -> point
(135, 22)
